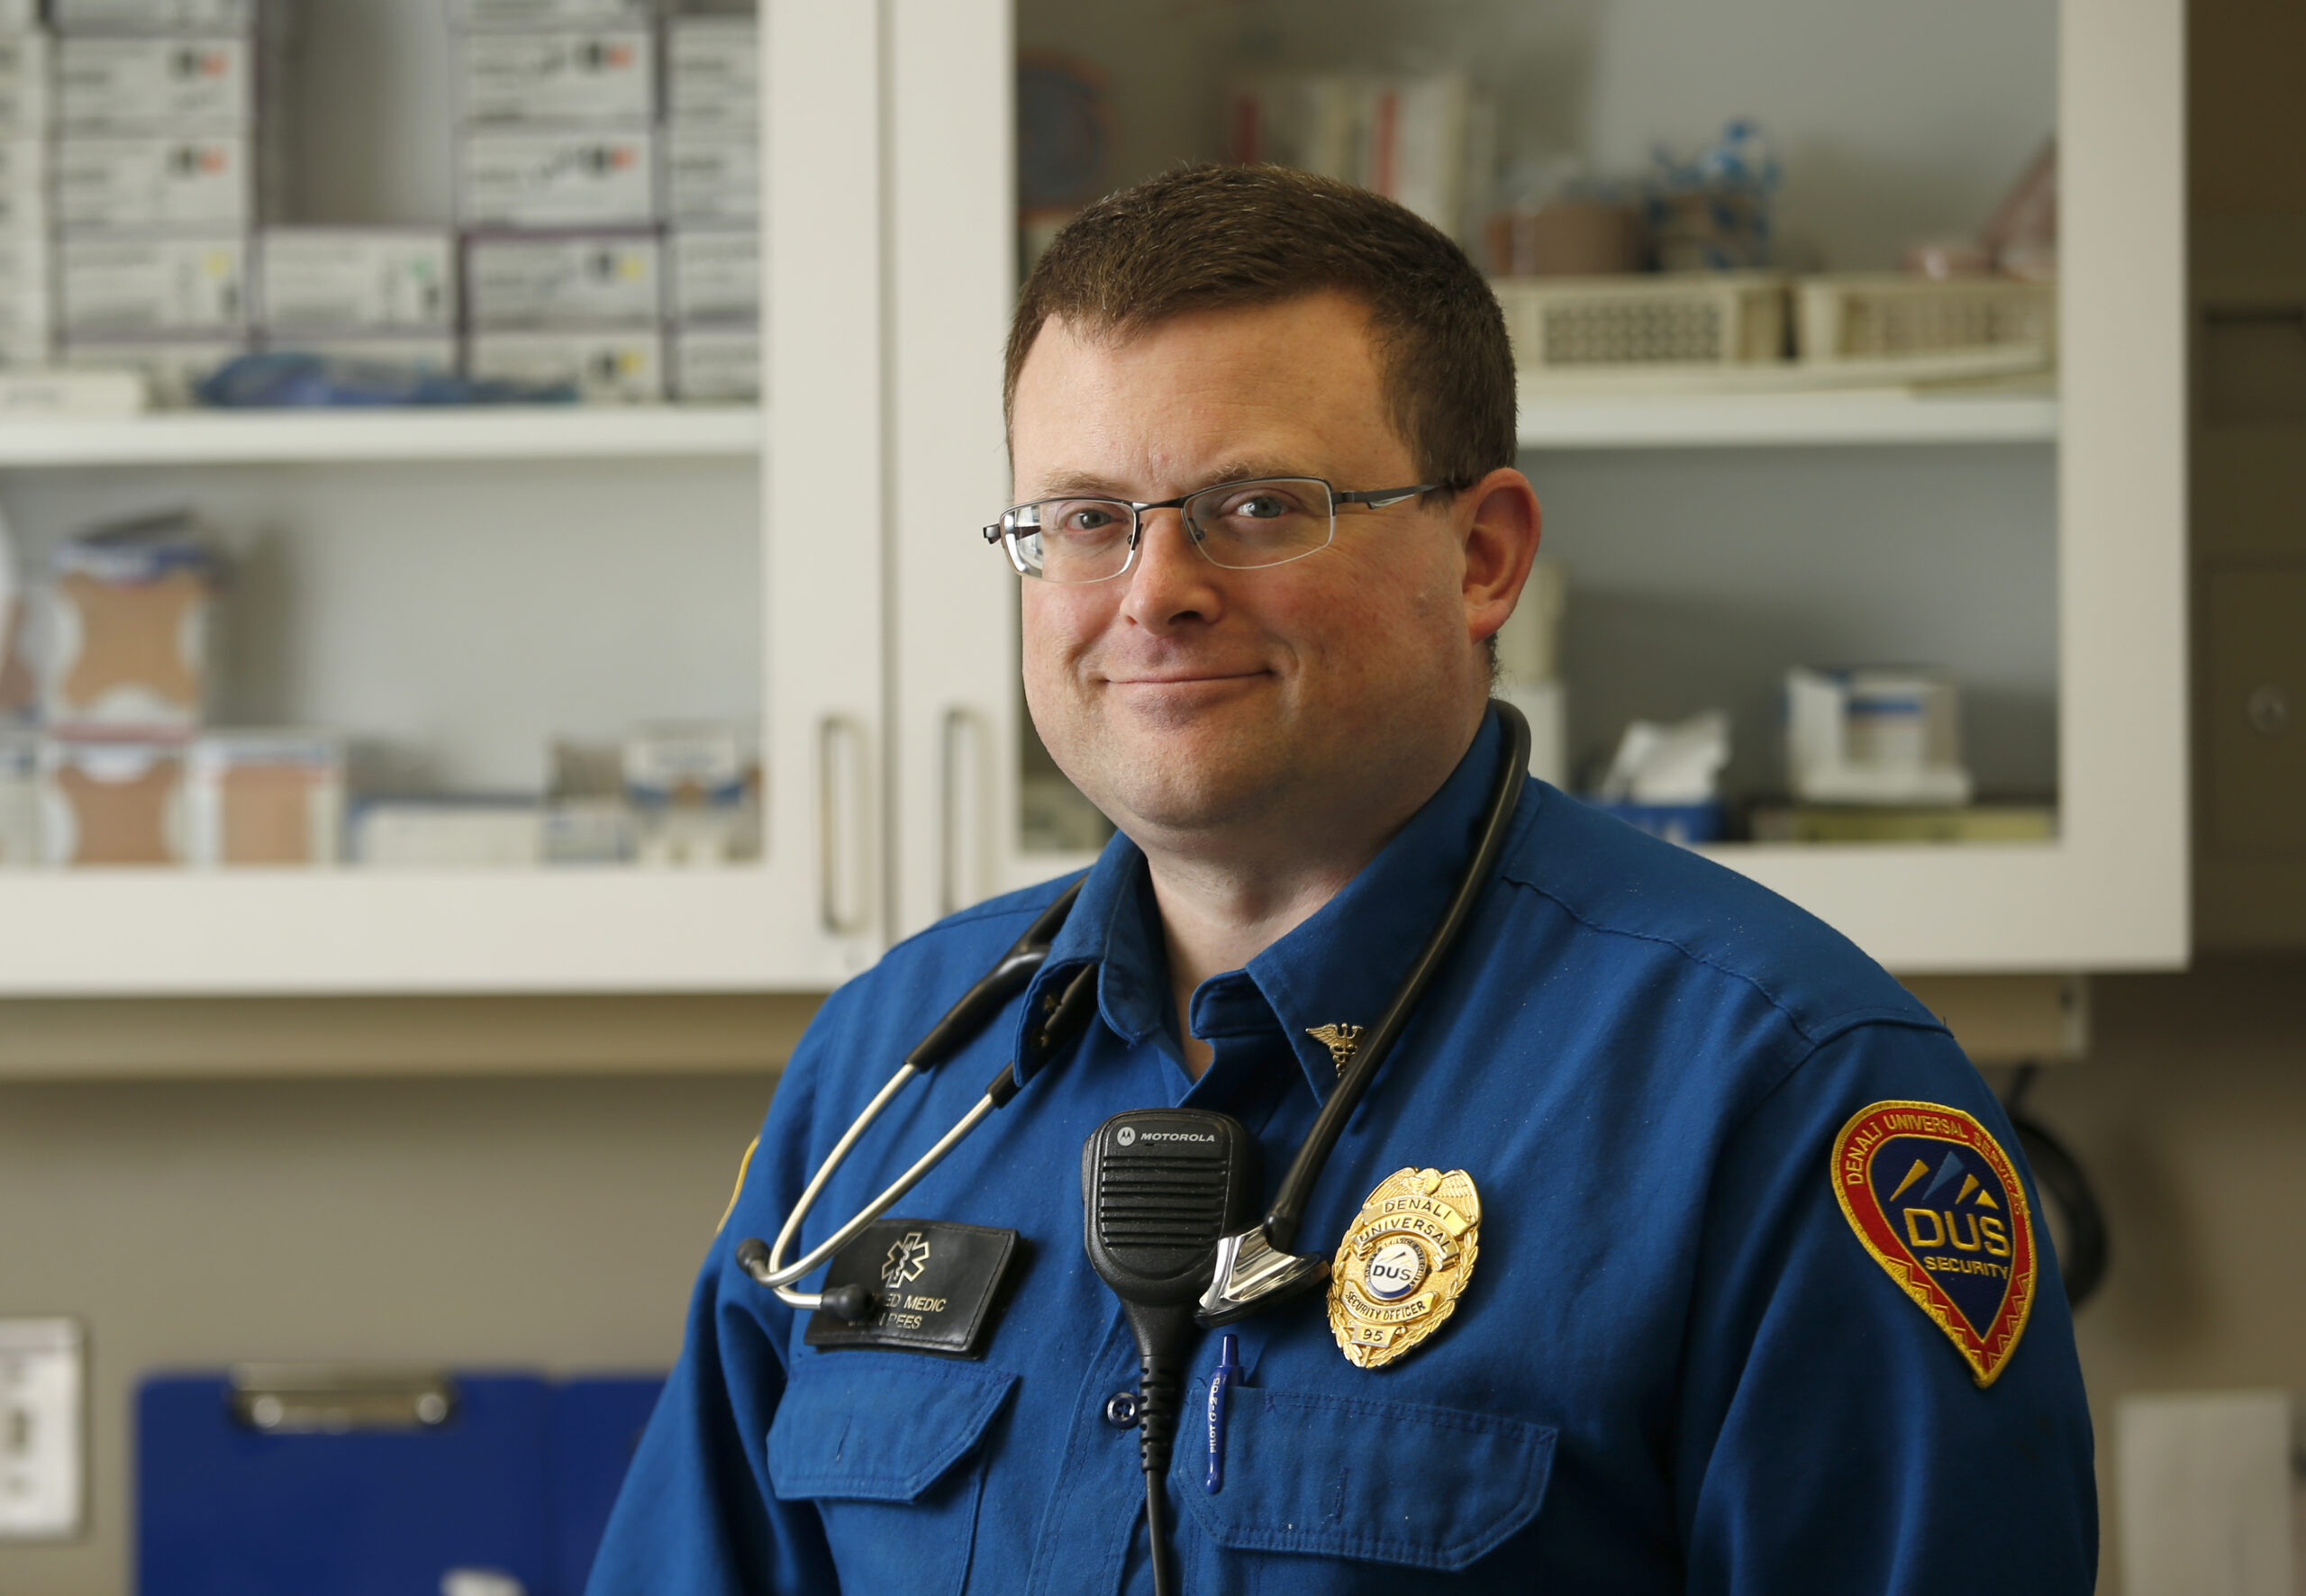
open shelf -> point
(480, 433)
(1791, 419)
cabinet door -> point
(953, 277)
(826, 495)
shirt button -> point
(1120, 1410)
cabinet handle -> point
(841, 919)
(962, 781)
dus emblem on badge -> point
(1404, 1262)
(1938, 1203)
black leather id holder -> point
(936, 1287)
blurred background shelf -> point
(1711, 421)
(511, 432)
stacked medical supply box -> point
(125, 769)
(166, 157)
(27, 313)
(712, 162)
(558, 195)
(386, 296)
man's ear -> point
(1501, 542)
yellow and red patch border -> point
(1852, 1172)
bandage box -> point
(555, 13)
(131, 610)
(447, 833)
(119, 284)
(574, 280)
(104, 802)
(126, 81)
(592, 76)
(25, 93)
(265, 798)
(716, 274)
(171, 368)
(713, 71)
(155, 180)
(563, 177)
(696, 791)
(620, 366)
(138, 16)
(19, 800)
(716, 364)
(711, 174)
(357, 279)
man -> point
(1699, 1263)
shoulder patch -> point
(1938, 1203)
(744, 1165)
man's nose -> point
(1171, 581)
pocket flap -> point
(878, 1427)
(1379, 1482)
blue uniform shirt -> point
(1675, 1364)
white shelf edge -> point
(476, 433)
(1796, 420)
(346, 931)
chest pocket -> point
(1396, 1483)
(887, 1445)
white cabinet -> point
(2109, 893)
(779, 607)
(884, 663)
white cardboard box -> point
(711, 174)
(556, 13)
(619, 367)
(438, 834)
(104, 81)
(357, 279)
(716, 274)
(97, 16)
(566, 177)
(596, 279)
(139, 285)
(598, 76)
(170, 368)
(716, 364)
(154, 180)
(713, 71)
(24, 81)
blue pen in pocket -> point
(1220, 1384)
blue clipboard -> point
(335, 1483)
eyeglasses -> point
(1268, 521)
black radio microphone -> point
(1159, 1187)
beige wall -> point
(553, 1221)
(537, 1222)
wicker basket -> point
(1985, 325)
(1579, 328)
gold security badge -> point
(1404, 1262)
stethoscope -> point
(1253, 1268)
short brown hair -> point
(1210, 238)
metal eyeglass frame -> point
(1005, 532)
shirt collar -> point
(1339, 968)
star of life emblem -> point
(907, 1257)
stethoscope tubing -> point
(1016, 970)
